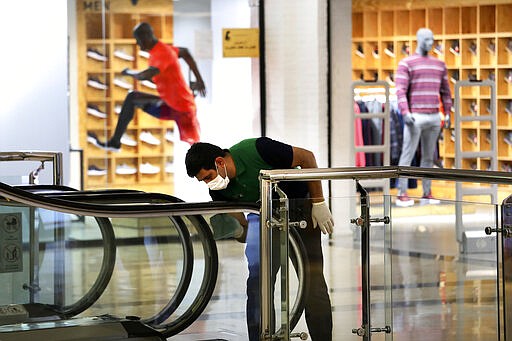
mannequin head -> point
(425, 39)
(143, 34)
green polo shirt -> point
(248, 162)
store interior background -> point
(39, 110)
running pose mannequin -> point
(176, 100)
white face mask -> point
(219, 182)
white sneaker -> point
(404, 201)
(95, 111)
(147, 137)
(123, 84)
(147, 168)
(169, 135)
(96, 55)
(128, 141)
(124, 169)
(124, 56)
(144, 54)
(429, 201)
(169, 167)
(117, 108)
(148, 84)
(95, 171)
(94, 82)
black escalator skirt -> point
(139, 329)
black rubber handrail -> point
(127, 197)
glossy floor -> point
(438, 292)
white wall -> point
(226, 115)
(33, 90)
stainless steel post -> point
(266, 299)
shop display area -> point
(474, 39)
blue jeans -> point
(318, 305)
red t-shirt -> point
(170, 83)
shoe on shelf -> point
(93, 139)
(455, 76)
(148, 84)
(123, 55)
(94, 82)
(454, 48)
(438, 49)
(508, 77)
(124, 169)
(95, 111)
(375, 53)
(491, 47)
(147, 137)
(473, 108)
(389, 50)
(403, 200)
(128, 141)
(508, 107)
(147, 168)
(96, 55)
(96, 171)
(405, 49)
(508, 138)
(508, 48)
(359, 51)
(472, 48)
(472, 138)
(429, 199)
(169, 135)
(117, 108)
(491, 76)
(123, 84)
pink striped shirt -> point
(419, 82)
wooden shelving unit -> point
(475, 27)
(109, 31)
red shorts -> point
(188, 125)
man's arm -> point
(402, 80)
(304, 158)
(320, 213)
(147, 74)
(199, 84)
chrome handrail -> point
(54, 157)
(269, 178)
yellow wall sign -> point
(240, 42)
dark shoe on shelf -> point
(108, 146)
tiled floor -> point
(437, 292)
(422, 286)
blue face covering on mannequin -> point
(425, 39)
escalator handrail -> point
(127, 197)
(124, 210)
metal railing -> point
(269, 179)
(54, 157)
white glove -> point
(322, 217)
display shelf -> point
(106, 47)
(475, 42)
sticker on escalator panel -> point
(11, 255)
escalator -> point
(110, 264)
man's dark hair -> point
(202, 155)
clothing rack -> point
(378, 90)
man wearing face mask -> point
(232, 175)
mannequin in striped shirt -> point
(421, 80)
